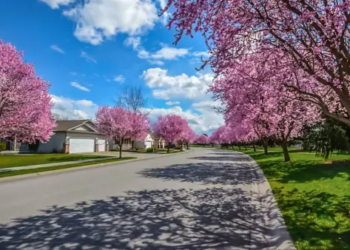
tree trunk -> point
(254, 147)
(265, 146)
(120, 150)
(187, 145)
(15, 144)
(168, 149)
(132, 144)
(285, 150)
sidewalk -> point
(114, 155)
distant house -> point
(75, 136)
(149, 142)
(145, 143)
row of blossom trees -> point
(25, 110)
(279, 64)
(119, 124)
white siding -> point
(55, 144)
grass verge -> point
(313, 195)
(22, 160)
(40, 170)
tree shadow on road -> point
(209, 173)
(234, 158)
(215, 218)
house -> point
(75, 136)
(150, 141)
(145, 143)
(159, 142)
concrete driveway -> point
(204, 199)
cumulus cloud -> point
(97, 20)
(201, 53)
(57, 49)
(73, 109)
(119, 78)
(165, 53)
(78, 86)
(200, 117)
(170, 103)
(87, 57)
(55, 4)
(168, 87)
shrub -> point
(2, 146)
(149, 150)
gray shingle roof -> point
(65, 125)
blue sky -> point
(90, 50)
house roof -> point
(66, 125)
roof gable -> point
(76, 125)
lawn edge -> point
(50, 172)
(285, 239)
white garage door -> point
(81, 145)
(148, 144)
(101, 145)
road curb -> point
(276, 226)
(51, 172)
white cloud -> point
(119, 78)
(78, 86)
(97, 20)
(165, 53)
(56, 48)
(165, 15)
(156, 62)
(135, 42)
(55, 4)
(181, 86)
(170, 103)
(73, 73)
(87, 57)
(85, 103)
(201, 53)
(73, 109)
(202, 119)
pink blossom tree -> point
(202, 140)
(264, 107)
(115, 123)
(170, 128)
(140, 126)
(25, 103)
(312, 35)
(187, 136)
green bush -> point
(2, 146)
(149, 150)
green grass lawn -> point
(40, 170)
(22, 160)
(314, 197)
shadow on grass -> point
(316, 220)
(303, 171)
(217, 218)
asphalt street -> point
(203, 199)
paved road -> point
(204, 199)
